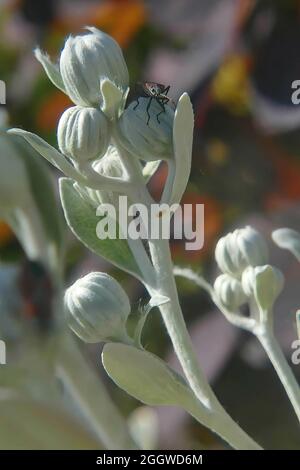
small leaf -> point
(183, 142)
(112, 97)
(288, 239)
(82, 220)
(51, 69)
(144, 376)
(48, 152)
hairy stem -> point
(171, 312)
(280, 364)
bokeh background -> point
(237, 59)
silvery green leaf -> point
(43, 194)
(288, 239)
(82, 220)
(29, 424)
(150, 168)
(183, 142)
(144, 376)
(298, 322)
(51, 69)
(48, 152)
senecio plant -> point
(107, 150)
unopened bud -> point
(148, 134)
(229, 291)
(239, 249)
(97, 308)
(264, 283)
(87, 59)
(83, 133)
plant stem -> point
(92, 398)
(171, 312)
(280, 364)
(222, 424)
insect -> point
(157, 92)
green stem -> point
(171, 312)
(280, 364)
(224, 426)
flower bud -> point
(148, 140)
(239, 249)
(83, 133)
(97, 308)
(229, 291)
(88, 58)
(264, 283)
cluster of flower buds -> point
(87, 62)
(103, 149)
(242, 256)
(92, 71)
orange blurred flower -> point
(51, 109)
(122, 19)
(6, 234)
(212, 227)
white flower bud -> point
(83, 133)
(87, 59)
(97, 308)
(152, 140)
(264, 283)
(229, 291)
(239, 249)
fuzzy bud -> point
(87, 59)
(97, 308)
(83, 133)
(264, 283)
(229, 291)
(239, 249)
(148, 140)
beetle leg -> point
(166, 90)
(137, 103)
(162, 105)
(147, 109)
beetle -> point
(157, 92)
